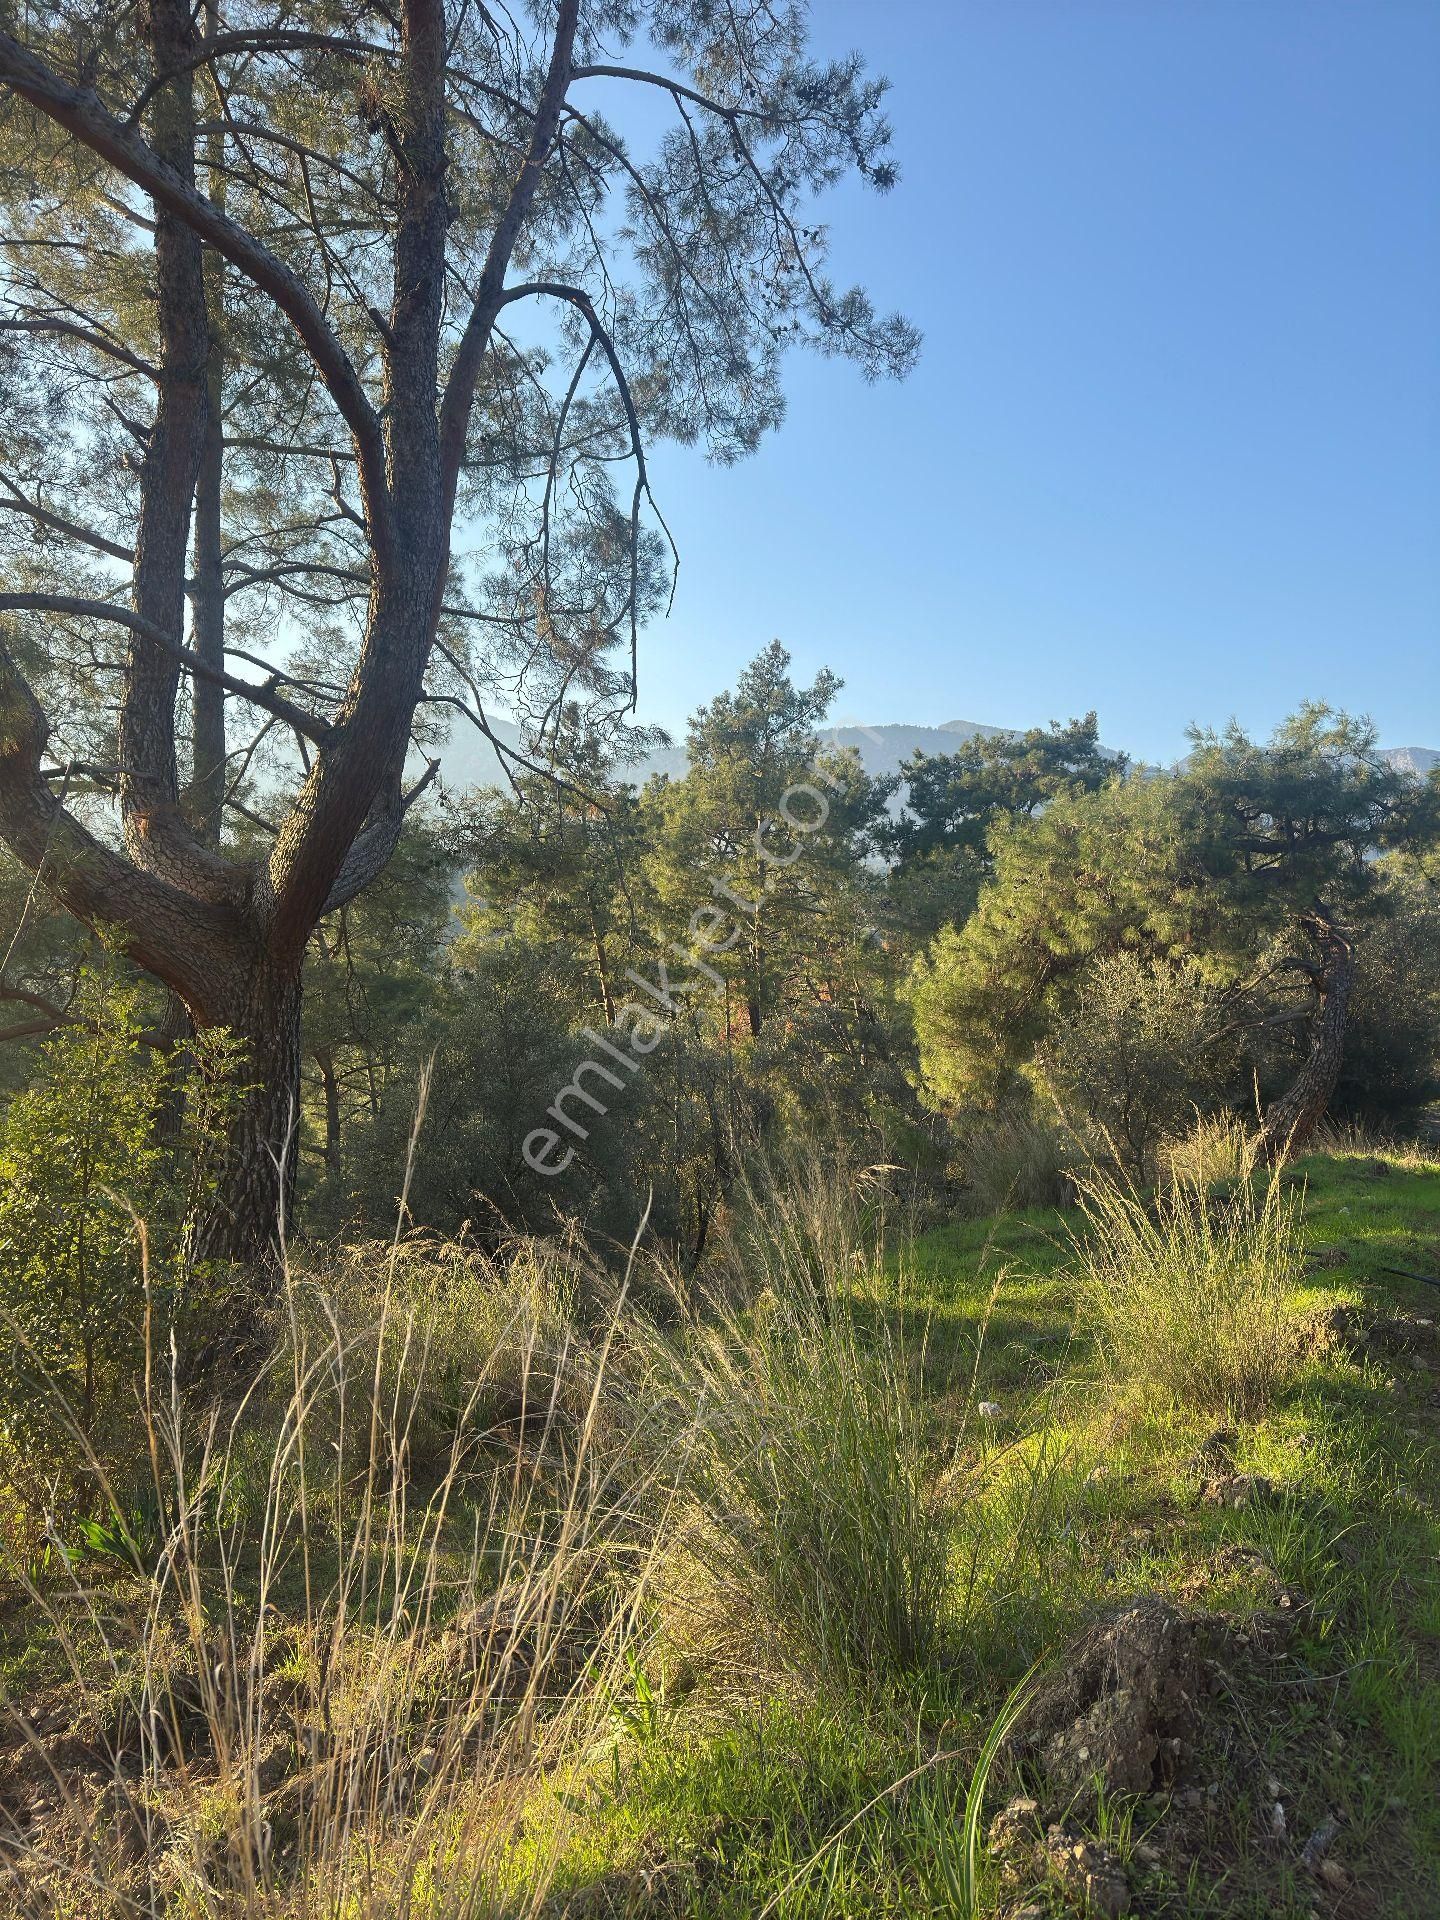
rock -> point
(1120, 1710)
(988, 1410)
(1014, 1840)
(1089, 1873)
(1216, 1452)
(1235, 1490)
(1313, 1853)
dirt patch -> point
(1122, 1709)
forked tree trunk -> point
(1295, 1115)
(228, 934)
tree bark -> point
(330, 1086)
(229, 935)
(1295, 1115)
(251, 1218)
(207, 695)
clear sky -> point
(1173, 447)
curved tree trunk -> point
(225, 931)
(1295, 1115)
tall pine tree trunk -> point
(253, 1207)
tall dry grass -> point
(1218, 1148)
(341, 1660)
(333, 1657)
(1190, 1292)
(809, 1536)
(1015, 1159)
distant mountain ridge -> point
(468, 760)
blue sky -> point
(1173, 447)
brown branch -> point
(183, 941)
(258, 694)
(72, 530)
(370, 855)
(581, 301)
(73, 330)
(82, 114)
(489, 297)
(271, 40)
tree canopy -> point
(324, 333)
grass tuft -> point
(1190, 1295)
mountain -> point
(1421, 760)
(468, 759)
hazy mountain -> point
(1421, 760)
(470, 761)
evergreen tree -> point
(293, 293)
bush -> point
(498, 1053)
(1145, 1049)
(1390, 1072)
(1192, 1298)
(435, 1342)
(99, 1210)
(811, 1537)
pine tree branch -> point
(80, 111)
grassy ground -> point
(1340, 1535)
(770, 1782)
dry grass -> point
(1014, 1160)
(1217, 1148)
(341, 1661)
(1350, 1140)
(808, 1538)
(355, 1625)
(1191, 1295)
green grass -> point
(1349, 1538)
(820, 1772)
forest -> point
(764, 1338)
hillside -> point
(468, 760)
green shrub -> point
(1390, 1071)
(496, 1051)
(1145, 1048)
(99, 1205)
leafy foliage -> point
(1148, 1046)
(98, 1209)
